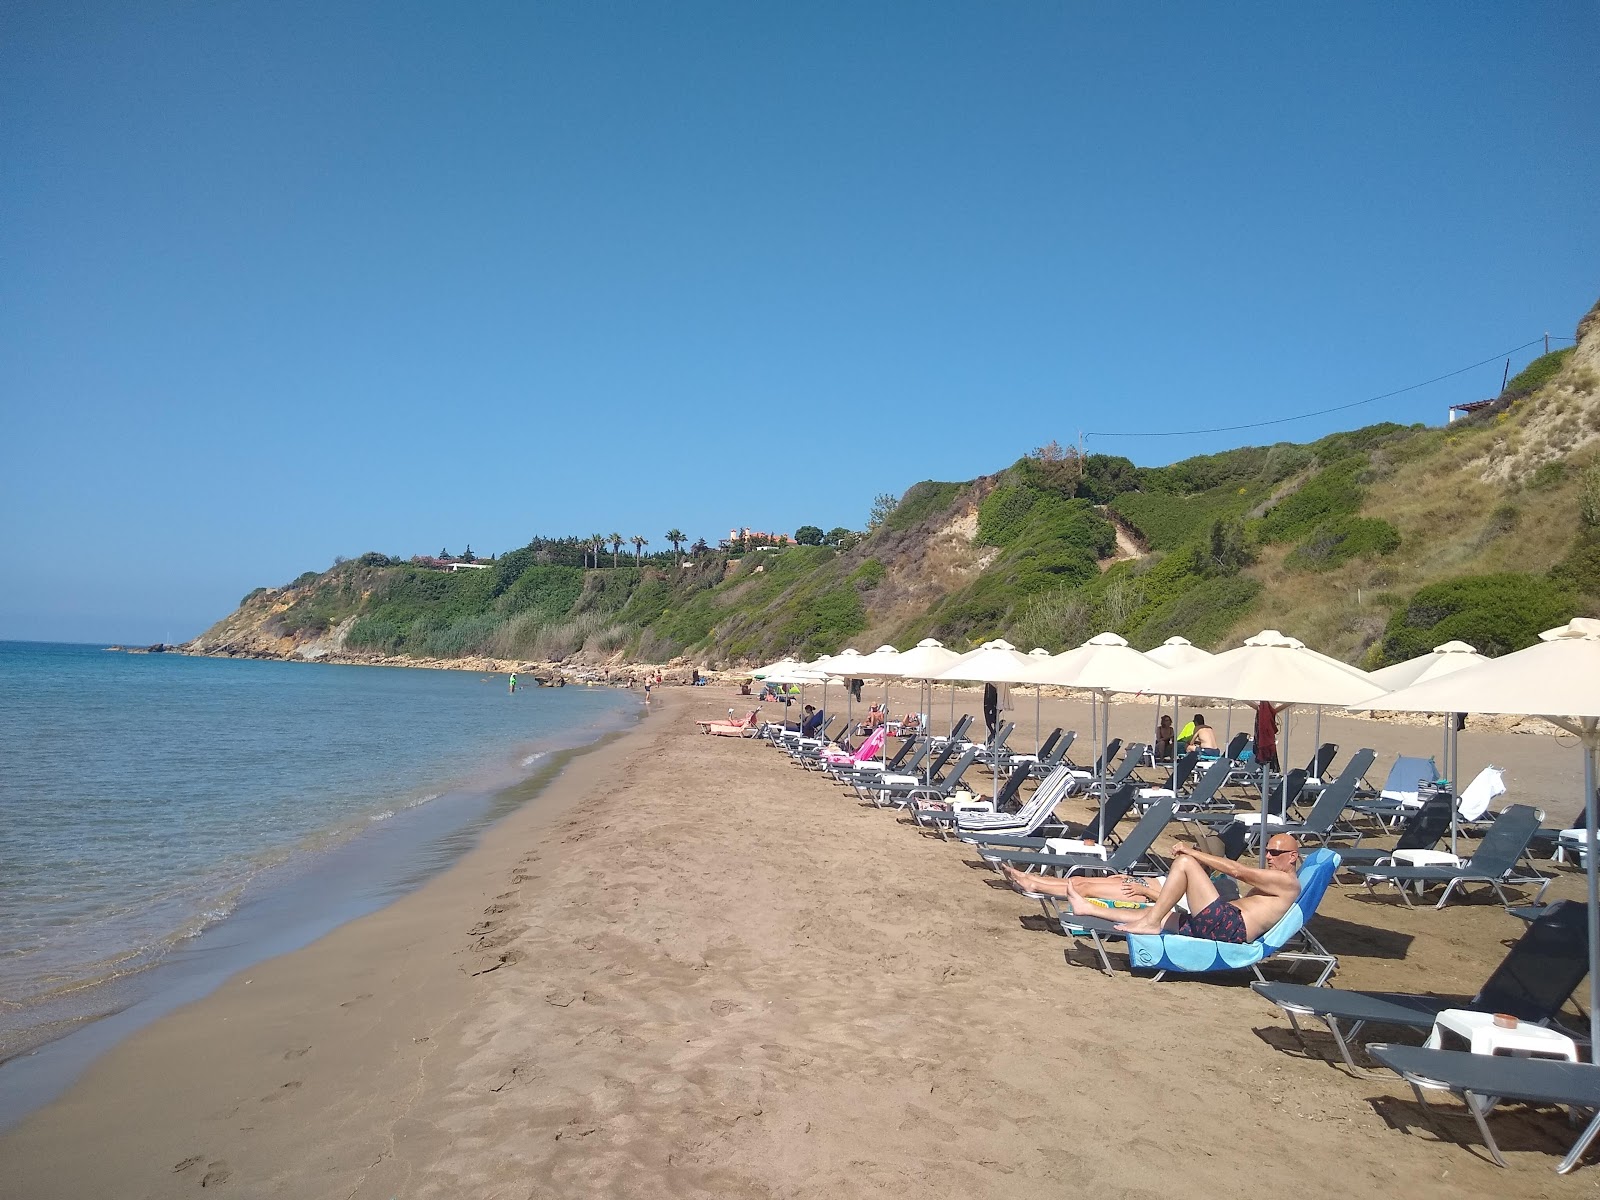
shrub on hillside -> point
(1537, 373)
(1332, 492)
(1203, 613)
(1341, 539)
(1495, 613)
(919, 503)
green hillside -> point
(1370, 544)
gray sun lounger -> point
(1115, 808)
(1532, 982)
(1494, 863)
(1131, 853)
(1422, 831)
(1484, 1080)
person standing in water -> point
(513, 681)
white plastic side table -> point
(1483, 1036)
(1075, 846)
(1426, 858)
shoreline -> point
(693, 970)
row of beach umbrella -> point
(1557, 679)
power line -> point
(1322, 412)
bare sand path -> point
(690, 969)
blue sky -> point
(294, 280)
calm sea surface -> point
(149, 801)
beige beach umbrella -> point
(1557, 679)
(844, 664)
(922, 663)
(996, 661)
(1444, 660)
(783, 664)
(1103, 665)
(880, 664)
(1277, 668)
(1179, 652)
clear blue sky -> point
(284, 281)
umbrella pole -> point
(1037, 701)
(1593, 864)
(1105, 768)
(1175, 700)
(1455, 791)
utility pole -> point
(1505, 375)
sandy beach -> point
(689, 969)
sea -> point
(167, 820)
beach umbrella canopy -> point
(880, 664)
(1102, 665)
(1279, 669)
(1105, 663)
(993, 662)
(924, 660)
(783, 664)
(843, 663)
(1273, 666)
(1177, 652)
(1557, 679)
(1444, 660)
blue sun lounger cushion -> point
(1177, 952)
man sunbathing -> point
(1271, 893)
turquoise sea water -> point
(150, 802)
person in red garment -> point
(1267, 734)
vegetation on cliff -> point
(1373, 544)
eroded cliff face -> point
(255, 630)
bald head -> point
(1283, 852)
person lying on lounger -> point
(1271, 893)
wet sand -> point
(690, 969)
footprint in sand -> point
(296, 1052)
(217, 1174)
(192, 1160)
(287, 1089)
(357, 1000)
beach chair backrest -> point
(1110, 814)
(1003, 736)
(1212, 778)
(870, 747)
(1426, 826)
(1110, 752)
(1317, 870)
(1321, 760)
(959, 729)
(946, 753)
(1475, 801)
(1184, 769)
(1543, 968)
(1049, 743)
(1013, 785)
(1284, 791)
(1236, 746)
(1505, 841)
(960, 769)
(1332, 799)
(907, 746)
(1143, 835)
(1044, 800)
(1130, 763)
(1404, 776)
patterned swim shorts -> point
(1218, 921)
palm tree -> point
(675, 536)
(639, 543)
(598, 541)
(616, 540)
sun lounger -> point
(1493, 863)
(1040, 808)
(744, 728)
(1288, 940)
(933, 813)
(1133, 853)
(984, 830)
(1321, 823)
(1532, 982)
(1484, 1080)
(1422, 831)
(1399, 792)
(897, 791)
